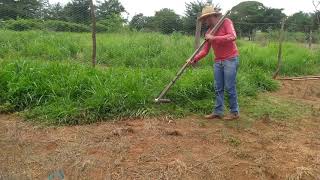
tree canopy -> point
(167, 21)
(26, 9)
(138, 22)
(248, 16)
(193, 10)
(251, 16)
(108, 8)
(299, 21)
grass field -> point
(47, 75)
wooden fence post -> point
(94, 29)
(198, 34)
(280, 50)
(310, 38)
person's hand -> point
(209, 37)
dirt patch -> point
(265, 151)
(189, 148)
(304, 89)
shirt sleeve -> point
(204, 52)
(230, 33)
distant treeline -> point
(75, 16)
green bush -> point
(101, 28)
(113, 23)
(274, 36)
(23, 25)
(61, 26)
(298, 37)
(49, 25)
(2, 24)
(108, 25)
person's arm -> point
(230, 33)
(203, 53)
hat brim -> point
(203, 16)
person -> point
(226, 61)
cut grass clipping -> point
(43, 75)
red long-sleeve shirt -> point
(223, 44)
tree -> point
(138, 22)
(273, 15)
(109, 8)
(13, 9)
(167, 21)
(316, 15)
(56, 12)
(249, 15)
(193, 9)
(78, 11)
(273, 18)
(316, 5)
(299, 22)
(109, 14)
(113, 23)
(151, 24)
(245, 15)
(248, 12)
(43, 11)
(316, 20)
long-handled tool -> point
(180, 72)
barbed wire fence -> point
(306, 36)
(280, 33)
(270, 32)
(85, 18)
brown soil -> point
(304, 89)
(189, 148)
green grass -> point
(71, 93)
(47, 75)
(270, 109)
(148, 50)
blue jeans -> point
(225, 73)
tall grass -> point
(147, 50)
(72, 93)
(44, 75)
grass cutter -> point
(160, 98)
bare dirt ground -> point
(189, 148)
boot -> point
(232, 116)
(213, 116)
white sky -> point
(148, 7)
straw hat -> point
(209, 10)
